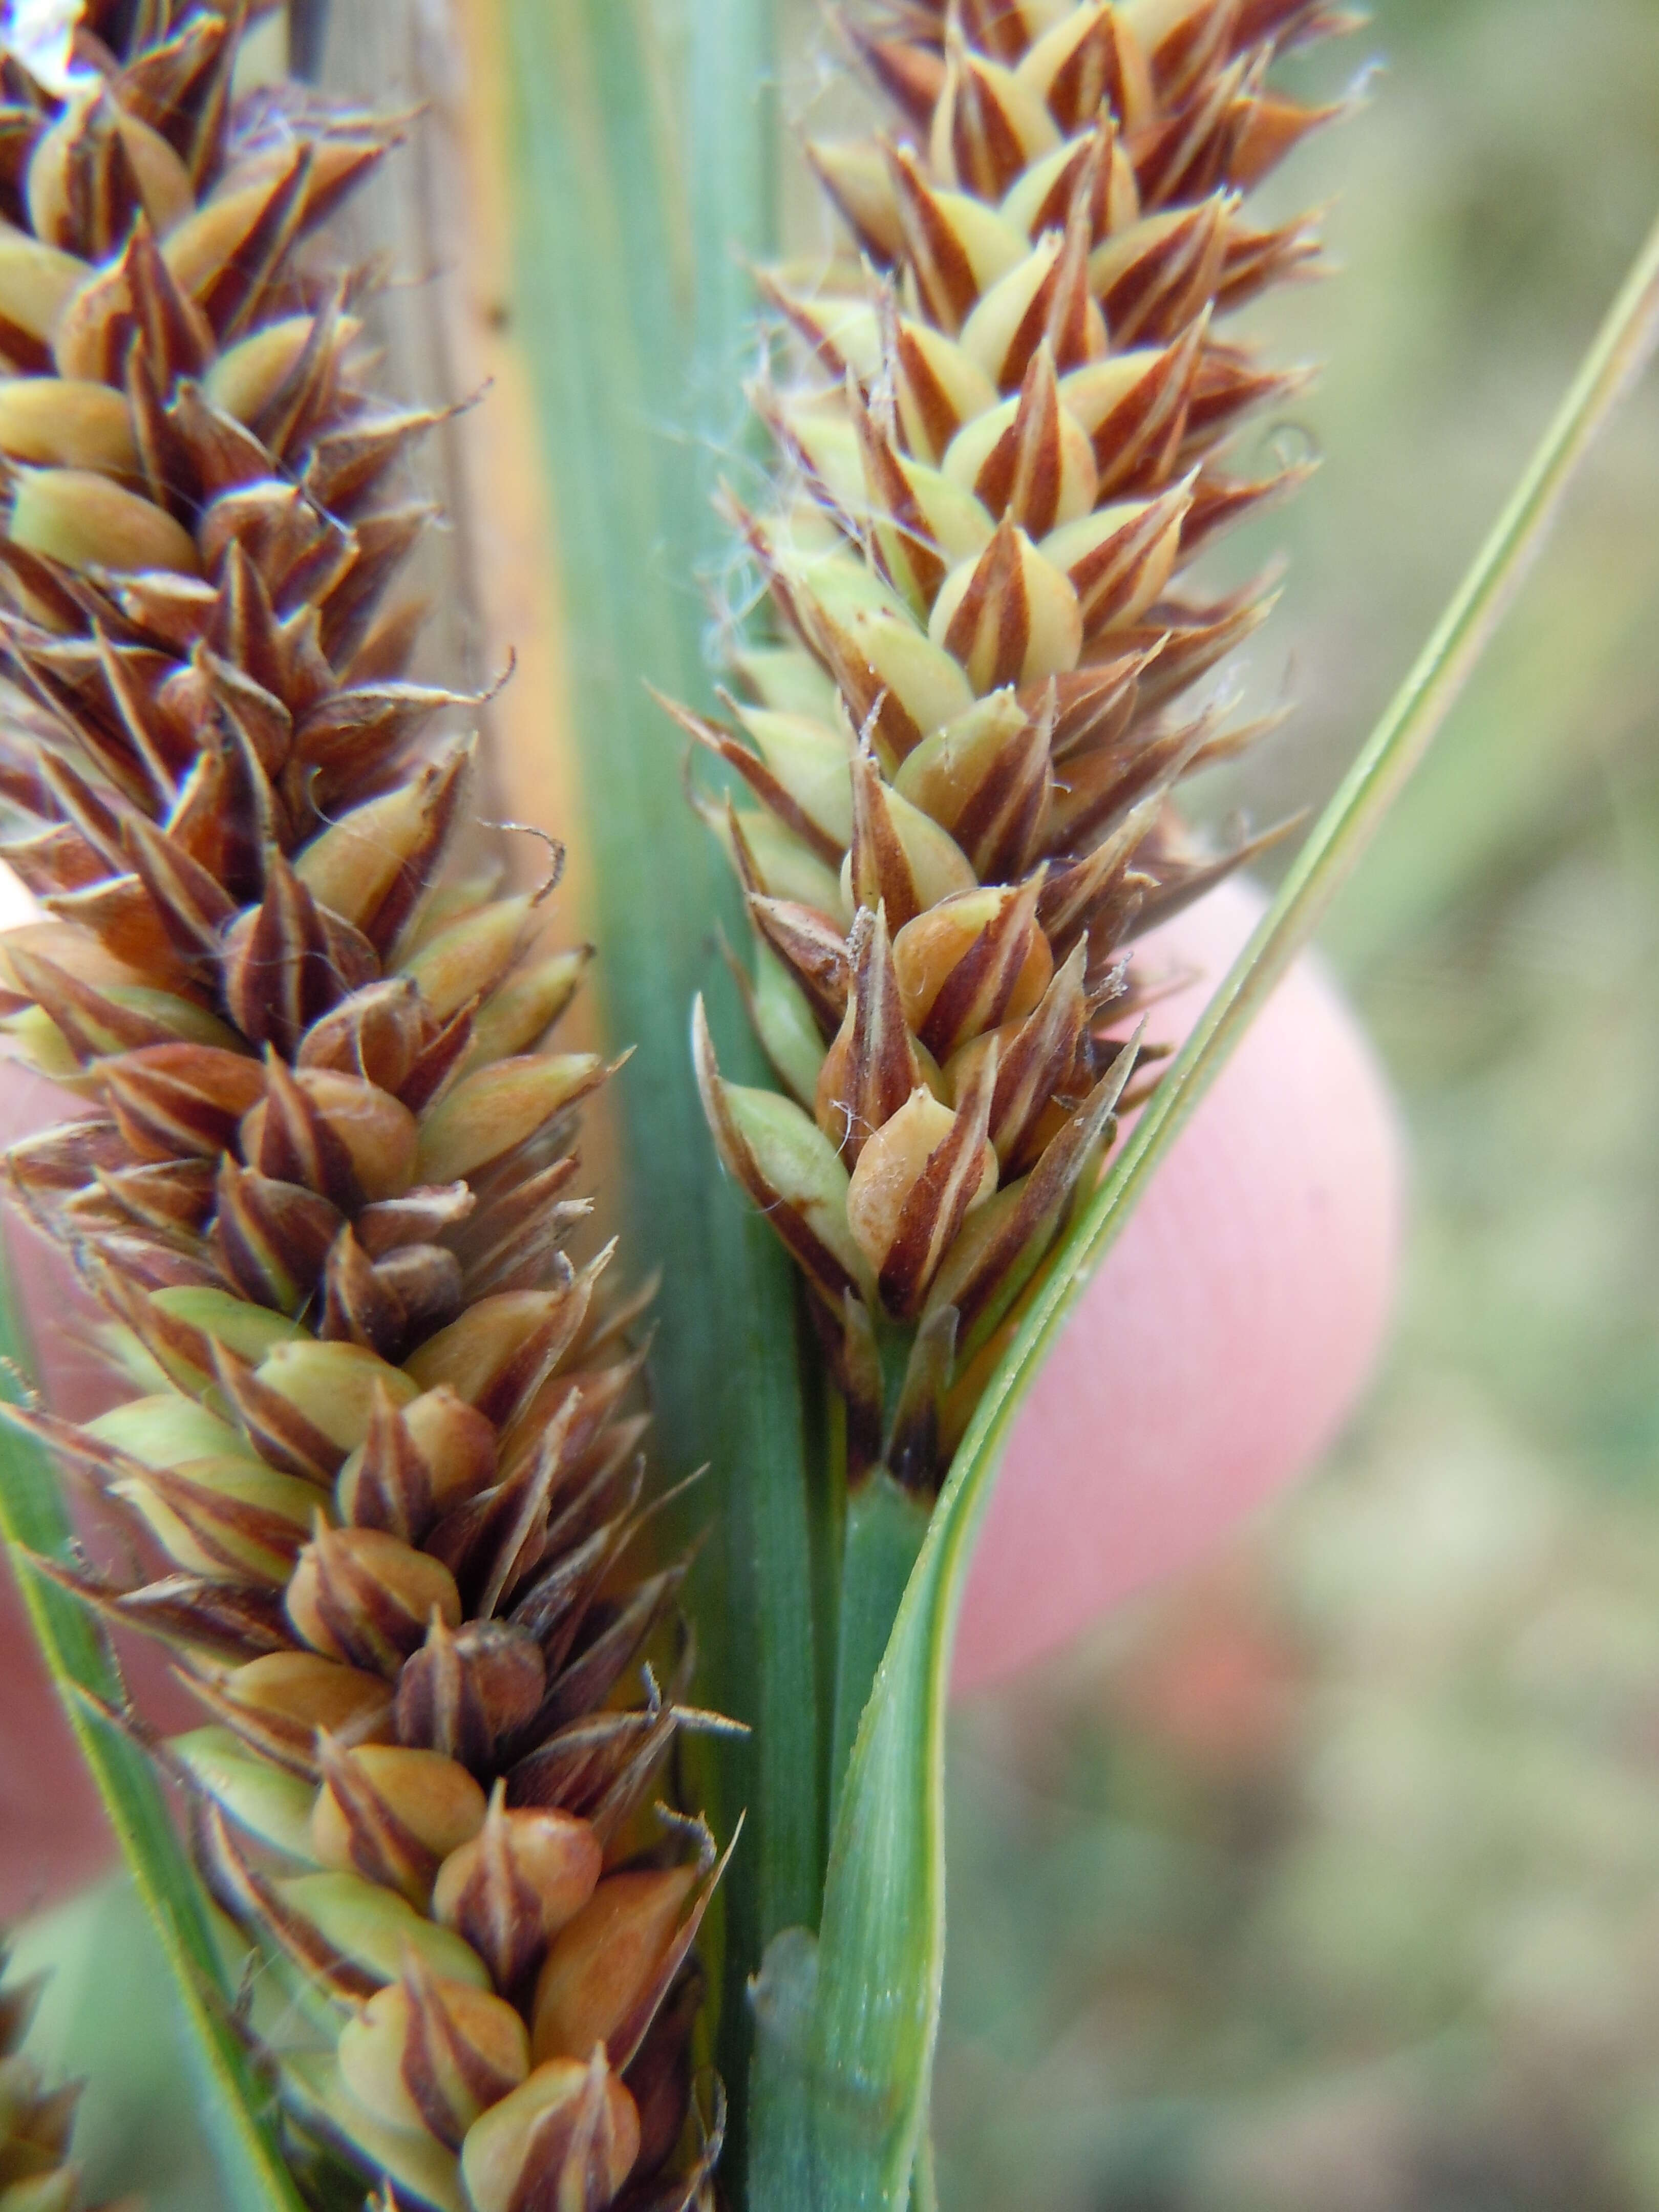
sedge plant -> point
(381, 1443)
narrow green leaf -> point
(881, 1952)
(232, 2101)
(641, 141)
(886, 1526)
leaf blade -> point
(632, 211)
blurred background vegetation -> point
(1328, 1882)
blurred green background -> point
(1328, 1882)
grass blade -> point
(641, 140)
(881, 1952)
(231, 2099)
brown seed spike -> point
(210, 763)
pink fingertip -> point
(1227, 1335)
